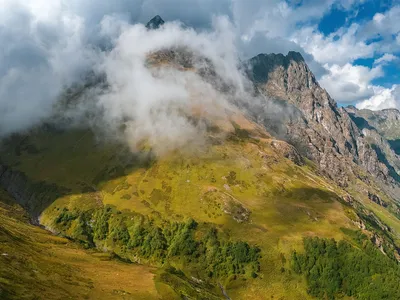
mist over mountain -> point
(162, 147)
(58, 44)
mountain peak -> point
(262, 65)
(155, 23)
(296, 56)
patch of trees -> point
(135, 235)
(334, 269)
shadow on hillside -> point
(361, 122)
(297, 205)
(395, 145)
(382, 159)
(310, 194)
(84, 169)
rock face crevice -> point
(328, 133)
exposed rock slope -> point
(386, 121)
(327, 132)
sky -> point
(352, 47)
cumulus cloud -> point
(383, 28)
(382, 98)
(154, 102)
(42, 50)
(350, 83)
(340, 47)
(385, 59)
(346, 81)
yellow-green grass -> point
(286, 202)
(388, 218)
(35, 264)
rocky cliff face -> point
(328, 133)
(386, 121)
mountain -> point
(326, 132)
(386, 122)
(287, 197)
(155, 23)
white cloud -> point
(386, 58)
(47, 45)
(154, 103)
(43, 49)
(350, 83)
(337, 52)
(378, 18)
(339, 48)
(382, 98)
(384, 27)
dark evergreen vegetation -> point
(334, 269)
(202, 249)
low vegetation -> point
(135, 236)
(334, 269)
(34, 264)
(241, 193)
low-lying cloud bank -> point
(50, 45)
(155, 102)
(50, 55)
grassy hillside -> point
(242, 188)
(34, 264)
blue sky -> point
(358, 44)
(338, 17)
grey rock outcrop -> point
(155, 23)
(386, 121)
(329, 135)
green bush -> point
(66, 217)
(135, 234)
(335, 268)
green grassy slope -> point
(242, 186)
(34, 264)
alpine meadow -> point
(168, 150)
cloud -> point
(385, 59)
(382, 98)
(154, 103)
(385, 23)
(48, 46)
(350, 83)
(383, 28)
(340, 47)
(42, 50)
(337, 52)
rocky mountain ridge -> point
(327, 131)
(385, 121)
